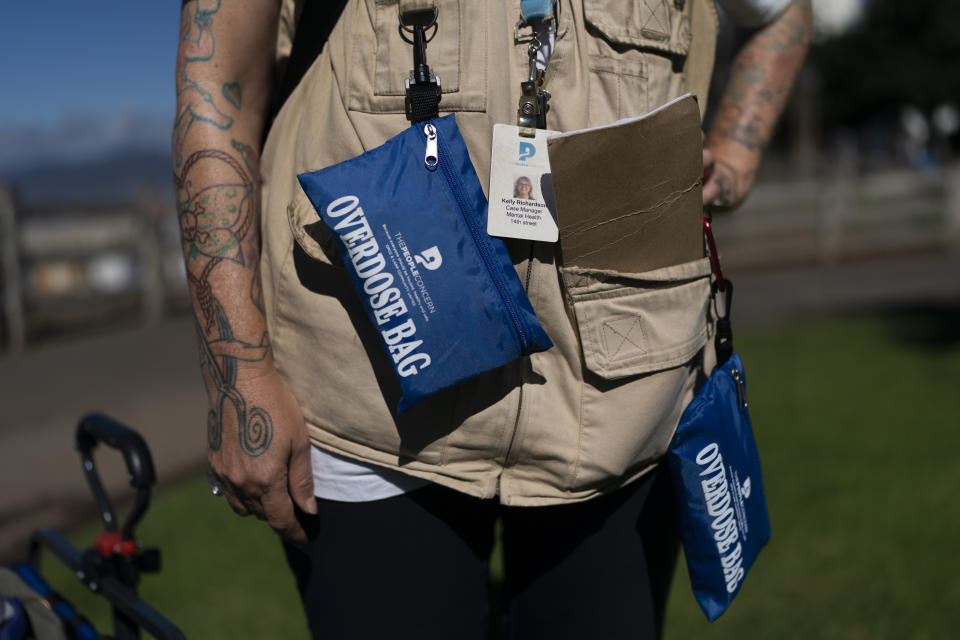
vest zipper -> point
(432, 137)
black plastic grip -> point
(97, 427)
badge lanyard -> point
(519, 158)
(423, 91)
(533, 107)
(522, 203)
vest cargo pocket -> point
(640, 336)
(631, 324)
(657, 25)
(381, 60)
(633, 58)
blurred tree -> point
(900, 53)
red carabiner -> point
(712, 247)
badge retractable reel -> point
(522, 204)
(539, 16)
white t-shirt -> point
(338, 478)
(753, 13)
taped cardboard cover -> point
(628, 195)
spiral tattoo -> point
(255, 426)
(256, 432)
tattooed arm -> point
(256, 436)
(761, 78)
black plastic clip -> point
(423, 90)
(724, 340)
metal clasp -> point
(532, 110)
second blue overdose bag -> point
(409, 218)
(718, 486)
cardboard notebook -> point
(628, 194)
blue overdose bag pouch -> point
(715, 471)
(409, 218)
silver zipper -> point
(432, 155)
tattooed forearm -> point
(761, 78)
(215, 219)
(194, 102)
(256, 292)
(216, 222)
(223, 76)
(747, 130)
(760, 82)
(219, 359)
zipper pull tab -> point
(432, 155)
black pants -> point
(416, 566)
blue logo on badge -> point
(527, 150)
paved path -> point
(149, 378)
(767, 297)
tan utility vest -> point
(594, 412)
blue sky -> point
(96, 59)
(78, 78)
(64, 58)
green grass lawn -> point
(858, 424)
(223, 577)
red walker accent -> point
(714, 256)
(112, 542)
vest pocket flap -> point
(309, 231)
(630, 324)
(660, 25)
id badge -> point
(522, 203)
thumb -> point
(300, 479)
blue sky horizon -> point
(67, 59)
(70, 60)
(80, 77)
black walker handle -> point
(97, 427)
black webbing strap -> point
(422, 102)
(314, 26)
(423, 91)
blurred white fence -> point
(844, 217)
(65, 269)
(71, 267)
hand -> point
(723, 187)
(263, 464)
